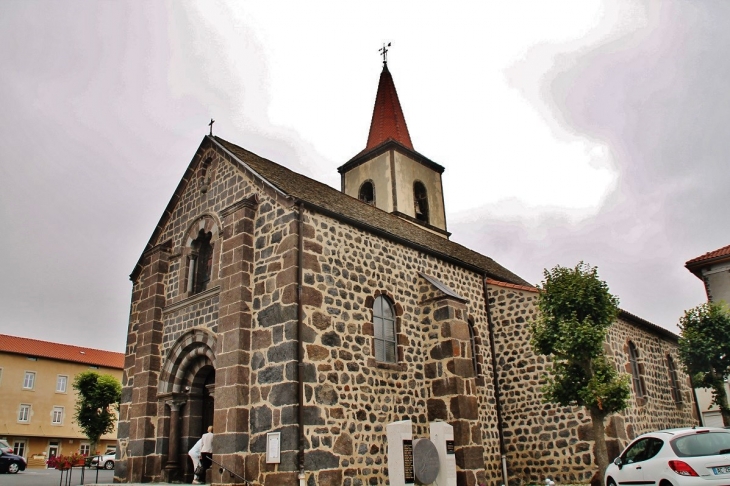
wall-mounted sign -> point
(273, 448)
(450, 447)
(408, 461)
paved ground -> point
(51, 477)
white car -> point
(106, 461)
(674, 457)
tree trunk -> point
(599, 435)
(721, 401)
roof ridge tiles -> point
(720, 252)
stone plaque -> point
(426, 462)
(408, 461)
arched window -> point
(635, 373)
(201, 262)
(384, 330)
(420, 201)
(367, 192)
(673, 381)
(473, 346)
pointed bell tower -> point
(389, 173)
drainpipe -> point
(495, 382)
(300, 344)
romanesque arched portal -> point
(187, 386)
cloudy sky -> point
(570, 131)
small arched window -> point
(201, 262)
(635, 373)
(673, 381)
(384, 330)
(473, 346)
(420, 201)
(367, 192)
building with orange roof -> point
(713, 268)
(36, 379)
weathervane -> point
(211, 126)
(384, 52)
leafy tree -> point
(576, 310)
(704, 348)
(97, 401)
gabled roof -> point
(715, 256)
(388, 121)
(327, 200)
(61, 352)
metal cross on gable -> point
(384, 52)
(211, 126)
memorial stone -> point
(442, 436)
(425, 461)
(400, 453)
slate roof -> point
(388, 120)
(334, 203)
(61, 352)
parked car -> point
(10, 463)
(106, 460)
(5, 447)
(674, 457)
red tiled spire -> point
(388, 120)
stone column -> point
(172, 468)
(233, 353)
(453, 388)
(144, 462)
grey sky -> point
(576, 131)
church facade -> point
(266, 302)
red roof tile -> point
(388, 120)
(62, 352)
(724, 251)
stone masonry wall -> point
(175, 310)
(349, 398)
(546, 440)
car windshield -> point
(702, 444)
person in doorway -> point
(194, 454)
(206, 452)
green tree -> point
(576, 310)
(704, 348)
(97, 401)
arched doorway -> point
(200, 406)
(187, 388)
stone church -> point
(266, 302)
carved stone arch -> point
(184, 387)
(192, 351)
(420, 201)
(200, 252)
(208, 222)
(366, 192)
